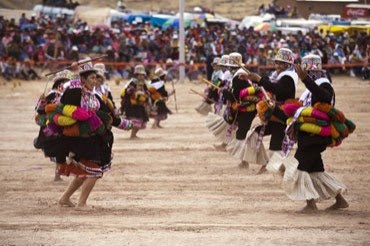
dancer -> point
(159, 96)
(84, 120)
(305, 177)
(215, 121)
(135, 101)
(51, 145)
(244, 99)
(210, 92)
(282, 84)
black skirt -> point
(53, 147)
(244, 120)
(96, 148)
(136, 111)
(277, 132)
(309, 151)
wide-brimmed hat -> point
(284, 55)
(159, 72)
(234, 59)
(100, 67)
(61, 77)
(86, 67)
(215, 60)
(139, 69)
(311, 62)
(224, 61)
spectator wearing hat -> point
(135, 101)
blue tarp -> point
(159, 20)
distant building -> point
(307, 7)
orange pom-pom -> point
(50, 107)
(71, 131)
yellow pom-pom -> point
(68, 110)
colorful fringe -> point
(41, 119)
(249, 96)
(321, 119)
(265, 113)
(77, 122)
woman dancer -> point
(159, 96)
(135, 101)
(88, 142)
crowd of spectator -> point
(40, 40)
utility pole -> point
(182, 41)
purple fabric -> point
(94, 121)
(125, 124)
(51, 130)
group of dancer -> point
(238, 96)
(76, 119)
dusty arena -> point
(172, 188)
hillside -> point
(235, 9)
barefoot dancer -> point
(282, 84)
(211, 93)
(51, 145)
(305, 177)
(135, 99)
(215, 121)
(245, 115)
(89, 140)
(159, 96)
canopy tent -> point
(175, 23)
(264, 26)
(325, 29)
(52, 11)
(160, 19)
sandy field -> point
(172, 188)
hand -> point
(243, 76)
(302, 74)
(254, 77)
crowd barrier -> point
(197, 65)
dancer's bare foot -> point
(154, 126)
(243, 165)
(262, 170)
(57, 178)
(307, 210)
(134, 138)
(159, 126)
(221, 147)
(67, 203)
(310, 207)
(281, 171)
(339, 203)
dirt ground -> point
(172, 188)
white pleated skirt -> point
(246, 150)
(300, 185)
(218, 127)
(204, 108)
